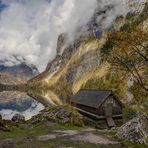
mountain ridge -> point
(85, 59)
(17, 74)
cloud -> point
(115, 8)
(30, 28)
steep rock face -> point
(135, 130)
(78, 61)
(63, 56)
(82, 64)
(61, 43)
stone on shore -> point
(18, 118)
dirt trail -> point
(86, 136)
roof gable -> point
(91, 98)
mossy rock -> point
(135, 130)
(64, 115)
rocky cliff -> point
(86, 57)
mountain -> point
(16, 74)
(20, 69)
(86, 61)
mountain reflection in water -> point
(12, 102)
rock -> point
(64, 115)
(46, 137)
(18, 118)
(62, 40)
(60, 114)
(136, 130)
(0, 117)
(62, 133)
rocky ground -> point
(41, 132)
(57, 136)
(53, 135)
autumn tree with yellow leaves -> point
(130, 54)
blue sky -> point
(2, 6)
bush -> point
(106, 48)
(129, 113)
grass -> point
(37, 130)
(19, 133)
(128, 144)
(22, 134)
(25, 131)
(106, 133)
(66, 127)
(60, 143)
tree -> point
(130, 53)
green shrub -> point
(76, 119)
(106, 49)
(111, 81)
(129, 113)
(130, 16)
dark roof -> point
(91, 98)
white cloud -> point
(30, 28)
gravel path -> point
(92, 138)
(86, 136)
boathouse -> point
(101, 104)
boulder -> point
(136, 130)
(18, 118)
(64, 115)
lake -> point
(12, 102)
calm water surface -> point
(12, 102)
